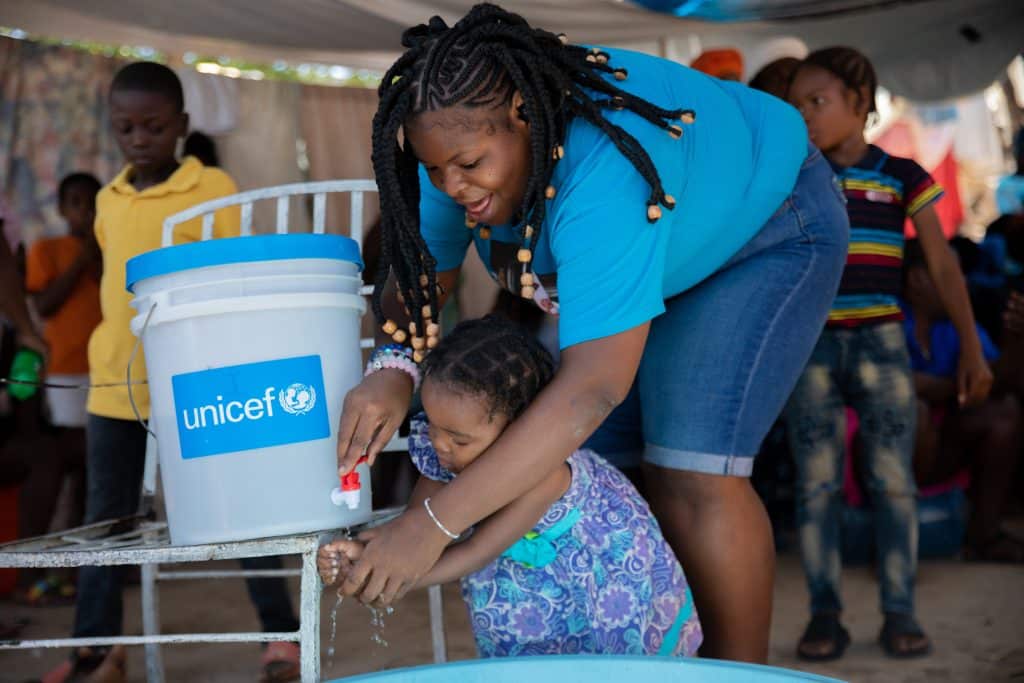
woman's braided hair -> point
(493, 358)
(482, 61)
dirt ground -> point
(974, 612)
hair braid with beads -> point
(493, 358)
(482, 61)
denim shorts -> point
(720, 363)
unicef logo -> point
(297, 399)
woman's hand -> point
(334, 560)
(371, 414)
(395, 556)
(973, 379)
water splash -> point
(377, 623)
(334, 630)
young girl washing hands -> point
(576, 565)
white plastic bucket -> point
(251, 344)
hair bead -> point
(675, 131)
(528, 231)
(399, 336)
(418, 356)
(389, 327)
(524, 255)
(688, 116)
(432, 342)
(563, 39)
(550, 192)
(433, 329)
(653, 213)
(426, 311)
(527, 292)
(418, 343)
(526, 279)
(485, 233)
(470, 223)
(620, 74)
(670, 201)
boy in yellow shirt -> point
(148, 118)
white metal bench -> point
(138, 540)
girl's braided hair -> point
(482, 61)
(493, 358)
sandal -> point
(90, 665)
(999, 548)
(280, 662)
(903, 638)
(49, 592)
(823, 640)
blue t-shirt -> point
(945, 347)
(602, 267)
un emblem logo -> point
(297, 399)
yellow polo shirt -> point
(129, 223)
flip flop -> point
(898, 635)
(280, 662)
(823, 629)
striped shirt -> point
(881, 191)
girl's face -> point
(833, 112)
(461, 427)
(479, 157)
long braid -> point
(480, 62)
(493, 358)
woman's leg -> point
(719, 365)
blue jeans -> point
(941, 525)
(868, 369)
(115, 457)
(721, 361)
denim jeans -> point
(115, 457)
(721, 361)
(868, 369)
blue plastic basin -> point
(589, 669)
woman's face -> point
(833, 112)
(461, 426)
(479, 157)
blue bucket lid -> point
(230, 250)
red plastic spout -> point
(350, 481)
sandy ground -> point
(974, 612)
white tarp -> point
(923, 49)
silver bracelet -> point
(442, 527)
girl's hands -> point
(334, 560)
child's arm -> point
(932, 388)
(49, 300)
(974, 378)
(497, 533)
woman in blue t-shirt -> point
(689, 241)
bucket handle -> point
(263, 302)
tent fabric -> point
(923, 49)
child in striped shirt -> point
(861, 358)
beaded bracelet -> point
(397, 357)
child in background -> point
(984, 440)
(861, 358)
(62, 276)
(579, 564)
(148, 118)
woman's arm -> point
(594, 377)
(497, 533)
(376, 407)
(974, 378)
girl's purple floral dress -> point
(594, 576)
